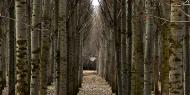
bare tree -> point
(21, 48)
(148, 57)
(35, 46)
(62, 87)
(176, 49)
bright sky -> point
(95, 3)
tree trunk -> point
(1, 41)
(21, 48)
(28, 15)
(129, 44)
(187, 53)
(44, 61)
(2, 47)
(156, 62)
(4, 52)
(63, 48)
(117, 38)
(176, 49)
(124, 49)
(164, 60)
(11, 54)
(138, 54)
(148, 58)
(35, 47)
(164, 50)
(57, 43)
(1, 72)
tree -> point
(57, 47)
(35, 47)
(125, 39)
(148, 57)
(45, 46)
(129, 43)
(176, 49)
(1, 72)
(138, 54)
(2, 46)
(28, 15)
(187, 53)
(63, 48)
(21, 49)
(164, 47)
(117, 38)
(1, 41)
(12, 50)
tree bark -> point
(35, 47)
(45, 47)
(138, 54)
(63, 47)
(21, 48)
(176, 49)
(148, 57)
(164, 60)
(117, 38)
(124, 48)
(12, 50)
(187, 53)
(1, 41)
(28, 15)
(129, 44)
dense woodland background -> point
(141, 46)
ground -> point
(92, 84)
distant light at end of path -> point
(95, 2)
(92, 59)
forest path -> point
(94, 85)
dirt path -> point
(94, 85)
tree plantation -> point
(94, 47)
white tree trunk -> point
(21, 48)
(35, 47)
(176, 49)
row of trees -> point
(150, 40)
(41, 44)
